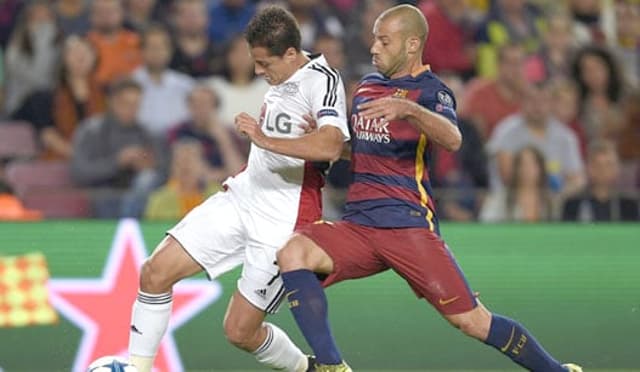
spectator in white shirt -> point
(165, 91)
(534, 126)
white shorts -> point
(220, 236)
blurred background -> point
(124, 108)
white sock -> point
(279, 352)
(149, 321)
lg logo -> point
(283, 124)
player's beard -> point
(392, 67)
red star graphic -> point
(102, 307)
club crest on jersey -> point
(445, 98)
(290, 88)
(400, 93)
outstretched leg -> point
(422, 258)
(341, 250)
(168, 264)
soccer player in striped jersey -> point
(390, 220)
(278, 192)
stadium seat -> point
(24, 176)
(59, 203)
(47, 186)
(17, 140)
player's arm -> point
(325, 92)
(437, 127)
(504, 160)
(311, 126)
(325, 144)
(346, 151)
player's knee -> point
(293, 255)
(473, 324)
(467, 326)
(238, 336)
(153, 279)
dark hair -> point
(615, 84)
(63, 71)
(275, 29)
(514, 183)
(600, 146)
(228, 46)
(20, 35)
(204, 87)
(121, 85)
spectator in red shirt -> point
(487, 102)
(451, 31)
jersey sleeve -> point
(328, 102)
(441, 101)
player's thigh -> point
(422, 258)
(260, 282)
(213, 234)
(168, 264)
(350, 248)
(300, 252)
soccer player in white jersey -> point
(262, 205)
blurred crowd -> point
(129, 104)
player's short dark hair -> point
(121, 85)
(275, 29)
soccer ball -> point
(111, 364)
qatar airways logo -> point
(372, 130)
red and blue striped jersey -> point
(391, 187)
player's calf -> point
(243, 324)
(507, 336)
(244, 327)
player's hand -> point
(129, 155)
(248, 126)
(136, 157)
(389, 108)
(310, 125)
(215, 127)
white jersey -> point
(279, 188)
(264, 203)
